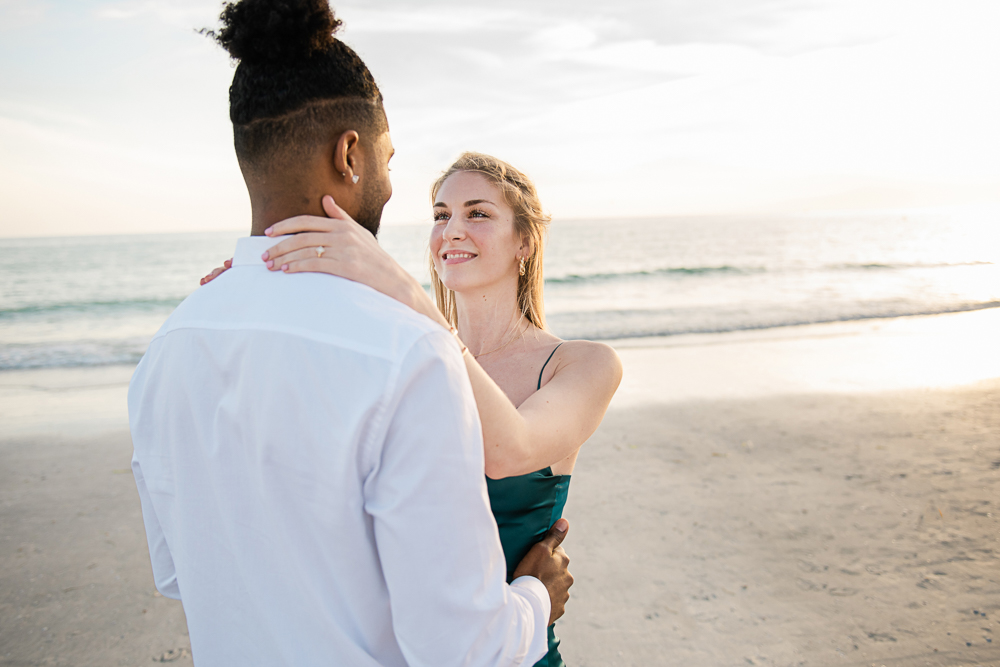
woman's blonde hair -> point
(530, 223)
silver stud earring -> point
(355, 178)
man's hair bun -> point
(276, 31)
(295, 83)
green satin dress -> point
(525, 507)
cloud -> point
(564, 37)
(429, 20)
(173, 12)
(774, 26)
(93, 155)
(645, 55)
(41, 115)
(18, 14)
(634, 107)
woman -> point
(539, 397)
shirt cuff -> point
(532, 586)
(536, 587)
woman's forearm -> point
(418, 300)
(505, 431)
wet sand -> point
(818, 495)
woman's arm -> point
(549, 426)
(555, 421)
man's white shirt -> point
(310, 465)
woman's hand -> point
(341, 247)
(226, 265)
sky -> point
(114, 115)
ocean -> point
(96, 300)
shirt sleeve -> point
(164, 574)
(436, 536)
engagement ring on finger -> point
(320, 250)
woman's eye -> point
(440, 217)
(475, 213)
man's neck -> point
(267, 210)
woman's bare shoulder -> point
(600, 357)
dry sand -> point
(790, 530)
(795, 497)
(75, 581)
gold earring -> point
(520, 270)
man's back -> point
(303, 447)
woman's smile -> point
(457, 256)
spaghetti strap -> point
(546, 364)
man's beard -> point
(373, 200)
(369, 214)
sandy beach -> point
(819, 495)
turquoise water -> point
(98, 300)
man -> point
(307, 450)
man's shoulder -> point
(322, 308)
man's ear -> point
(346, 155)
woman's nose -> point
(454, 230)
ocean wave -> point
(90, 306)
(683, 271)
(72, 354)
(611, 325)
(883, 267)
(675, 271)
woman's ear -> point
(527, 248)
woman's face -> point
(473, 242)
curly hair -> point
(294, 78)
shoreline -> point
(639, 340)
(797, 325)
(869, 356)
(855, 355)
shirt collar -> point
(250, 248)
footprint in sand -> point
(843, 592)
(173, 655)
